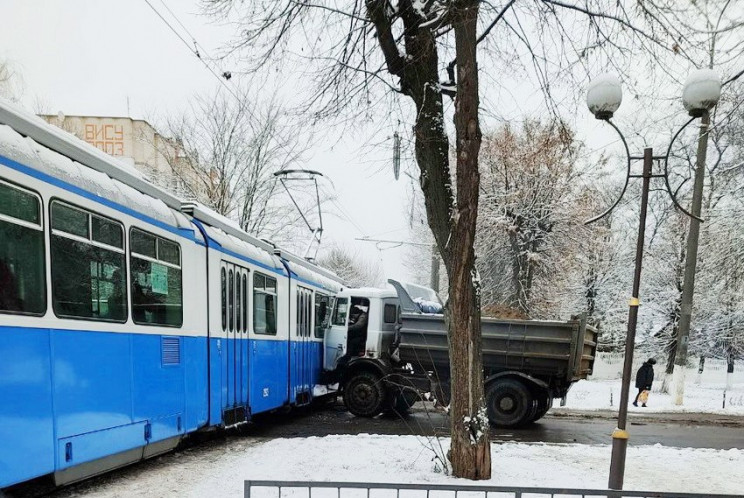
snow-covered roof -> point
(28, 152)
(308, 275)
(296, 261)
(68, 145)
(370, 292)
(241, 247)
(30, 140)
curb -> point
(685, 418)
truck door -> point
(335, 337)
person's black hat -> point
(651, 361)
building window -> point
(157, 297)
(88, 265)
(264, 304)
(22, 261)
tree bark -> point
(470, 452)
(451, 219)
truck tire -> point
(508, 403)
(364, 394)
(401, 401)
(544, 403)
(442, 392)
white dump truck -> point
(399, 350)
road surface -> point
(682, 430)
(679, 430)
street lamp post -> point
(604, 96)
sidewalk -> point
(604, 396)
(636, 416)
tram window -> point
(231, 301)
(224, 299)
(340, 311)
(264, 304)
(88, 266)
(143, 243)
(70, 220)
(22, 262)
(157, 296)
(245, 303)
(107, 232)
(169, 252)
(322, 314)
(302, 313)
(238, 304)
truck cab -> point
(360, 353)
(362, 325)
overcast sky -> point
(86, 57)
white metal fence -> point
(307, 489)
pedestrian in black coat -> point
(644, 378)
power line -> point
(399, 242)
(193, 38)
(345, 215)
(193, 50)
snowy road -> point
(714, 433)
(218, 469)
(683, 430)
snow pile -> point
(705, 398)
(220, 471)
(431, 307)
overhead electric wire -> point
(194, 50)
(193, 38)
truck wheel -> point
(544, 403)
(364, 394)
(400, 402)
(442, 392)
(508, 403)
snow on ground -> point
(704, 398)
(408, 459)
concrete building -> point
(137, 143)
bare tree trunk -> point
(470, 453)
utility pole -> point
(685, 319)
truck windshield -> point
(340, 311)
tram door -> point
(302, 361)
(235, 299)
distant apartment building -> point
(137, 143)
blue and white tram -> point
(129, 319)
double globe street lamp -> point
(604, 96)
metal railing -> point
(294, 489)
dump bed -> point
(557, 352)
